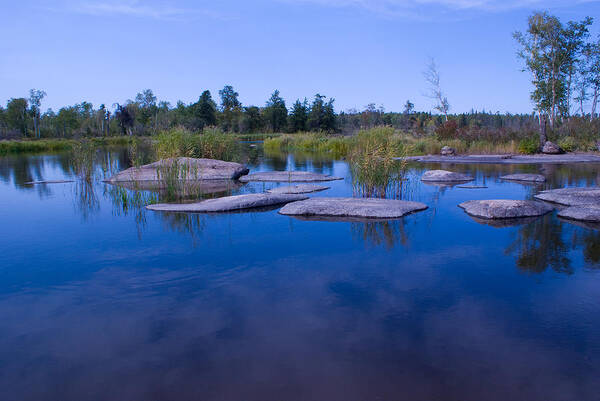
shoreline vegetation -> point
(562, 59)
(214, 143)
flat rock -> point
(572, 196)
(524, 177)
(445, 176)
(505, 208)
(366, 208)
(507, 159)
(589, 213)
(288, 176)
(228, 203)
(297, 189)
(196, 169)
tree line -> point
(145, 115)
(562, 59)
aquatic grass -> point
(211, 143)
(372, 159)
(57, 145)
(35, 146)
(83, 156)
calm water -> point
(104, 302)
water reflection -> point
(263, 306)
(541, 245)
(377, 233)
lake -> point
(102, 300)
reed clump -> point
(376, 171)
(211, 143)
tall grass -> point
(375, 171)
(83, 155)
(211, 143)
(309, 142)
(56, 145)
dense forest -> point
(562, 59)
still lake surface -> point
(101, 301)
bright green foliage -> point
(568, 144)
(529, 146)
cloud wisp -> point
(159, 11)
(428, 8)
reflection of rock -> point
(193, 169)
(500, 223)
(571, 196)
(297, 189)
(352, 208)
(48, 182)
(228, 203)
(589, 213)
(505, 208)
(551, 148)
(524, 177)
(583, 224)
(199, 187)
(444, 176)
(288, 176)
(448, 151)
(472, 186)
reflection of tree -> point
(86, 198)
(376, 233)
(540, 245)
(185, 223)
(591, 249)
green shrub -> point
(568, 144)
(529, 146)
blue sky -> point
(357, 51)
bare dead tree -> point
(432, 76)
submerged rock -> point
(367, 208)
(189, 169)
(228, 203)
(588, 213)
(505, 208)
(297, 189)
(448, 151)
(445, 176)
(550, 148)
(571, 196)
(288, 176)
(524, 177)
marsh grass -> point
(83, 156)
(179, 180)
(375, 171)
(56, 145)
(211, 144)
